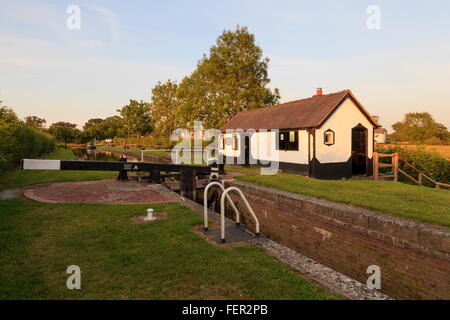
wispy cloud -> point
(109, 17)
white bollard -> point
(149, 215)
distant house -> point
(380, 135)
(326, 136)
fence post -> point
(155, 176)
(420, 178)
(188, 183)
(395, 166)
(375, 165)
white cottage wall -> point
(346, 117)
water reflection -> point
(98, 155)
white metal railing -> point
(205, 204)
(222, 208)
(222, 212)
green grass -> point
(163, 259)
(250, 171)
(397, 199)
(120, 260)
(16, 178)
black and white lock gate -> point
(188, 174)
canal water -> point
(103, 155)
(99, 155)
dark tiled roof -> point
(304, 113)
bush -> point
(19, 141)
(433, 141)
(433, 164)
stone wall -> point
(414, 257)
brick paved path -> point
(100, 191)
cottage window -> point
(221, 142)
(235, 142)
(288, 140)
(329, 137)
(292, 135)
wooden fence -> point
(394, 165)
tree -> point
(163, 108)
(232, 78)
(101, 129)
(112, 127)
(64, 132)
(8, 117)
(136, 118)
(93, 129)
(418, 127)
(442, 133)
(35, 122)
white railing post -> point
(205, 204)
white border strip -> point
(32, 164)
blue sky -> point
(124, 47)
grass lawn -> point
(163, 259)
(397, 199)
(120, 260)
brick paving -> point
(100, 191)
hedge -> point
(433, 164)
(19, 142)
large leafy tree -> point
(112, 127)
(64, 132)
(232, 78)
(136, 118)
(163, 108)
(419, 127)
(8, 117)
(100, 129)
(93, 129)
(35, 122)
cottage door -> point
(247, 150)
(359, 150)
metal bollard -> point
(123, 174)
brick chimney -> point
(319, 92)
